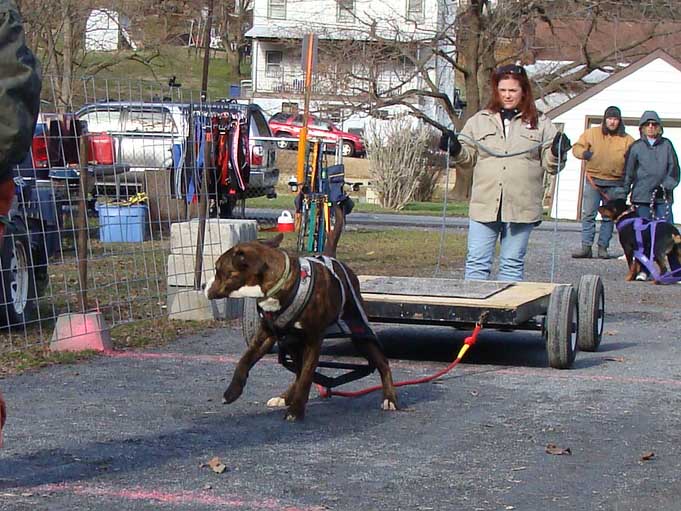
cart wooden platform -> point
(568, 318)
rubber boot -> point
(603, 252)
(584, 253)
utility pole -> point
(206, 51)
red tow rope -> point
(467, 343)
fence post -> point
(82, 226)
(203, 208)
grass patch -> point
(127, 284)
(284, 200)
(132, 80)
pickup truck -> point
(45, 183)
(128, 138)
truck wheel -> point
(250, 320)
(347, 149)
(591, 307)
(18, 292)
(283, 144)
(562, 327)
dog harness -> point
(647, 260)
(285, 318)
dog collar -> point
(282, 280)
(632, 209)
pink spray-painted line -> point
(421, 366)
(167, 497)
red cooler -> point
(101, 148)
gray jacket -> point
(648, 167)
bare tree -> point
(56, 31)
(475, 36)
(234, 18)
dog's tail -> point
(334, 236)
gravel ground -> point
(135, 431)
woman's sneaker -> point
(641, 276)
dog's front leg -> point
(300, 392)
(261, 345)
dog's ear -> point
(274, 242)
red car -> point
(287, 125)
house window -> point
(290, 108)
(273, 63)
(276, 9)
(345, 10)
(415, 10)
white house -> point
(650, 83)
(105, 29)
(279, 26)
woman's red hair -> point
(526, 106)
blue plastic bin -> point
(122, 224)
(234, 90)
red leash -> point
(467, 343)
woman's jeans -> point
(591, 199)
(662, 212)
(482, 240)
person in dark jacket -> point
(20, 84)
(651, 171)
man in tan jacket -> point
(603, 148)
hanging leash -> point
(467, 343)
(665, 199)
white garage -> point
(651, 83)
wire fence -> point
(128, 195)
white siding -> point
(320, 16)
(653, 87)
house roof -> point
(614, 78)
(565, 38)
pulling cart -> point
(569, 318)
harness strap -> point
(301, 297)
(648, 260)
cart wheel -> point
(562, 327)
(250, 320)
(591, 307)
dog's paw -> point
(276, 402)
(388, 405)
(291, 417)
(231, 394)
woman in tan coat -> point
(508, 146)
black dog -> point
(667, 241)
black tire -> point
(562, 327)
(347, 149)
(41, 244)
(250, 320)
(591, 307)
(17, 282)
(284, 144)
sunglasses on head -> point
(510, 69)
